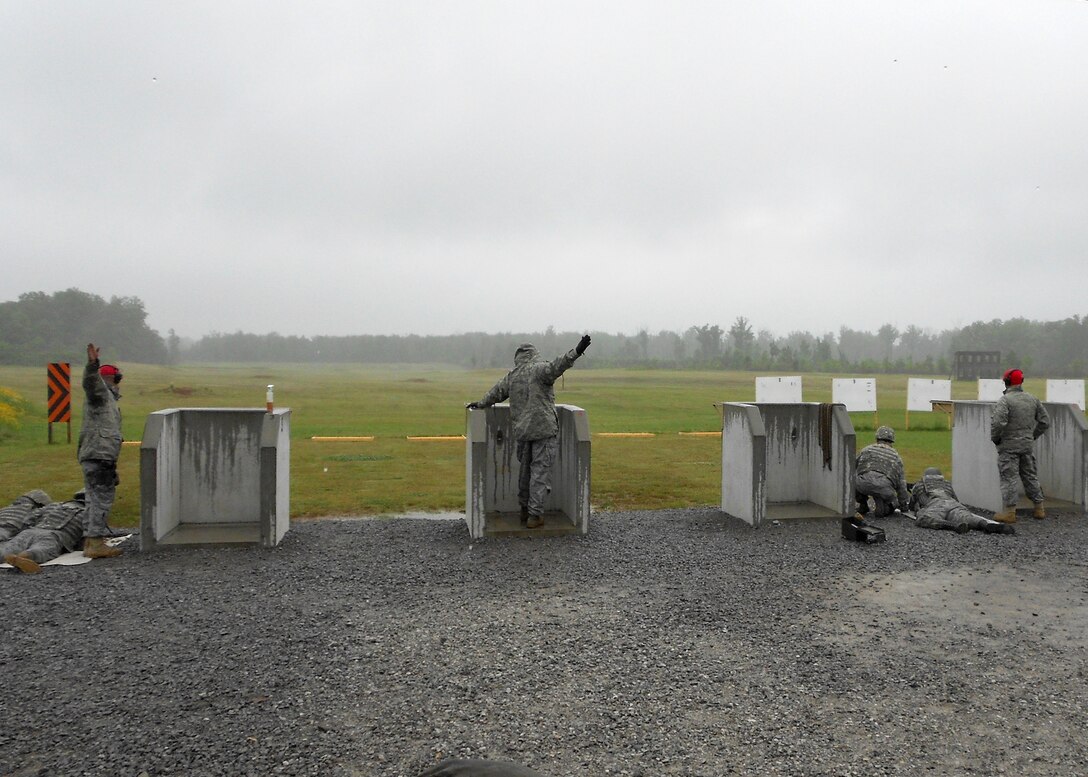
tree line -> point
(38, 328)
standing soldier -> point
(99, 447)
(531, 391)
(1016, 422)
(879, 474)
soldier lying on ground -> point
(59, 529)
(22, 513)
(935, 503)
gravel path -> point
(667, 642)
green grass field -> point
(392, 474)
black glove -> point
(473, 406)
(582, 345)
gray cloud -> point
(432, 167)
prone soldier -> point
(935, 503)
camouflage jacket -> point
(66, 519)
(883, 458)
(100, 435)
(1017, 420)
(20, 514)
(531, 391)
(930, 489)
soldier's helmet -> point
(885, 434)
(38, 497)
(932, 472)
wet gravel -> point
(667, 642)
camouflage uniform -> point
(935, 503)
(1017, 420)
(879, 474)
(531, 391)
(22, 513)
(99, 448)
(58, 530)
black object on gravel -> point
(668, 642)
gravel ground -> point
(668, 642)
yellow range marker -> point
(342, 439)
(446, 438)
(132, 442)
(701, 434)
(624, 434)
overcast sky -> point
(442, 167)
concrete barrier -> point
(1060, 453)
(786, 461)
(212, 476)
(491, 475)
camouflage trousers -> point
(880, 488)
(948, 514)
(100, 482)
(535, 474)
(1015, 468)
(39, 544)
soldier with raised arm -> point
(99, 449)
(531, 391)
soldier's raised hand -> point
(92, 353)
(582, 345)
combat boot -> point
(524, 516)
(96, 547)
(23, 563)
(535, 521)
(998, 528)
(1039, 512)
(1007, 515)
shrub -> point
(12, 408)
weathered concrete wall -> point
(744, 462)
(491, 467)
(1060, 453)
(214, 475)
(772, 455)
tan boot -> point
(96, 547)
(1007, 515)
(1040, 511)
(535, 522)
(23, 563)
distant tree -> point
(742, 335)
(710, 342)
(173, 347)
(887, 334)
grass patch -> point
(397, 401)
